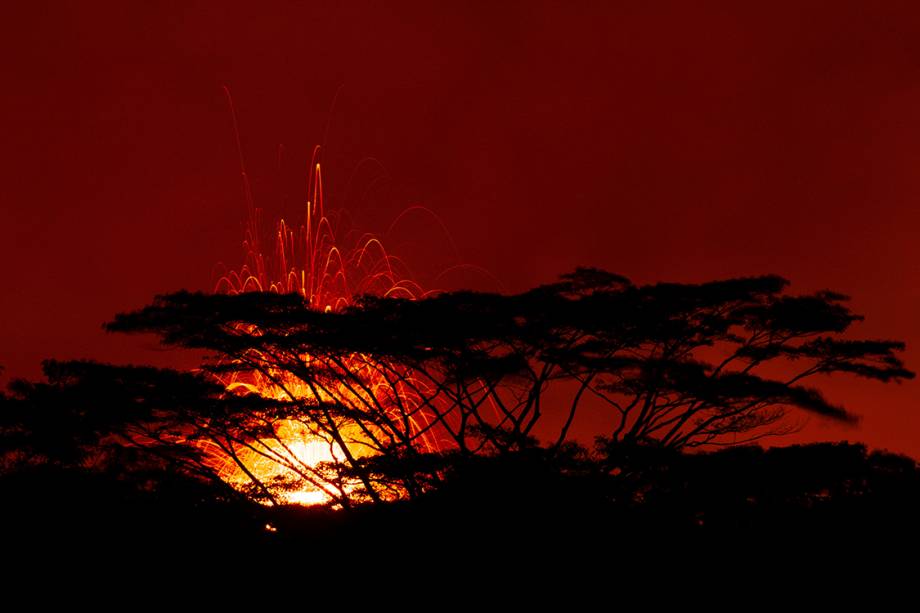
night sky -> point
(683, 143)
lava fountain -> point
(293, 461)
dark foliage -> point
(675, 365)
(528, 501)
(434, 407)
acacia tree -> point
(713, 363)
(398, 387)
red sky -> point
(683, 143)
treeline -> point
(446, 399)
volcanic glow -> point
(292, 461)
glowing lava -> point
(294, 461)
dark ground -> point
(515, 506)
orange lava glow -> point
(293, 461)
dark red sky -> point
(680, 143)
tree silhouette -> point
(401, 389)
(114, 419)
(459, 412)
(95, 456)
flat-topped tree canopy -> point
(676, 364)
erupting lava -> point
(291, 464)
(308, 260)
